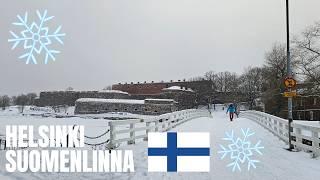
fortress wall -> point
(94, 107)
(56, 98)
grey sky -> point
(111, 41)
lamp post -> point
(289, 74)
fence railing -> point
(130, 131)
(304, 137)
(2, 143)
(99, 140)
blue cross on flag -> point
(179, 152)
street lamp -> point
(289, 74)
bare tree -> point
(226, 81)
(276, 62)
(198, 78)
(220, 82)
(210, 76)
(231, 81)
(273, 73)
(69, 89)
(4, 101)
(307, 48)
(13, 100)
(22, 101)
(251, 83)
(31, 97)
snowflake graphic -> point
(36, 38)
(240, 150)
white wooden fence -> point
(133, 130)
(129, 131)
(304, 137)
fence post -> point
(269, 123)
(132, 134)
(275, 126)
(111, 144)
(298, 138)
(169, 124)
(147, 131)
(163, 125)
(156, 129)
(279, 128)
(315, 144)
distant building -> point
(202, 90)
(92, 102)
(186, 94)
(307, 108)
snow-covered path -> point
(275, 163)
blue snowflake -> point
(240, 150)
(36, 38)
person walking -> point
(237, 110)
(231, 109)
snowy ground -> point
(276, 163)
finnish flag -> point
(179, 152)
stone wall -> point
(56, 98)
(146, 107)
(184, 99)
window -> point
(116, 109)
(136, 109)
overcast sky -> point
(111, 41)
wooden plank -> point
(123, 131)
(306, 127)
(125, 122)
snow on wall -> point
(123, 101)
(178, 88)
